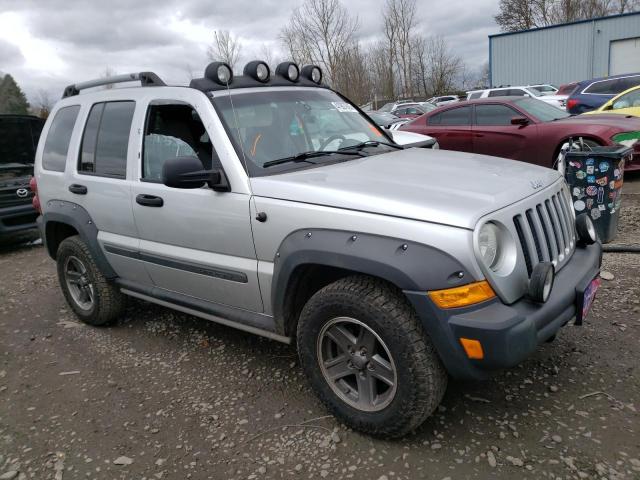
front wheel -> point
(368, 358)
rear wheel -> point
(92, 298)
(368, 358)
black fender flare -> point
(408, 265)
(76, 216)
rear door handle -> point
(149, 200)
(78, 189)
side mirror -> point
(188, 172)
(522, 121)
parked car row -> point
(523, 129)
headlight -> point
(488, 245)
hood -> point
(446, 187)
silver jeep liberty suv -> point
(270, 203)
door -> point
(452, 129)
(494, 135)
(624, 56)
(99, 182)
(195, 242)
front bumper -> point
(508, 333)
(17, 218)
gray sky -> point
(48, 44)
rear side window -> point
(498, 93)
(474, 95)
(56, 146)
(454, 116)
(106, 139)
(605, 87)
(494, 115)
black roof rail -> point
(146, 79)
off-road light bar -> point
(258, 70)
(289, 71)
(313, 73)
(219, 72)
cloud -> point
(9, 54)
(50, 44)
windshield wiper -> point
(305, 156)
(370, 143)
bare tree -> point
(444, 66)
(320, 32)
(44, 102)
(517, 15)
(400, 21)
(225, 48)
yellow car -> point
(626, 103)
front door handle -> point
(78, 189)
(149, 200)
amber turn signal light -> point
(462, 296)
(473, 348)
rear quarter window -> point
(56, 145)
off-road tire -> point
(108, 303)
(421, 377)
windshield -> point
(541, 110)
(387, 107)
(279, 124)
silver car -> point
(270, 203)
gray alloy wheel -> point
(80, 287)
(357, 364)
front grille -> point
(546, 232)
(10, 198)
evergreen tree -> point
(12, 98)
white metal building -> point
(568, 52)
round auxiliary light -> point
(541, 281)
(586, 229)
(312, 72)
(219, 72)
(288, 70)
(258, 70)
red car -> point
(523, 129)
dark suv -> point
(19, 136)
(591, 94)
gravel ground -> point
(162, 395)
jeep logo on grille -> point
(536, 184)
(22, 192)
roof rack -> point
(146, 79)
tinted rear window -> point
(54, 154)
(106, 139)
(454, 116)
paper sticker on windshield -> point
(344, 107)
